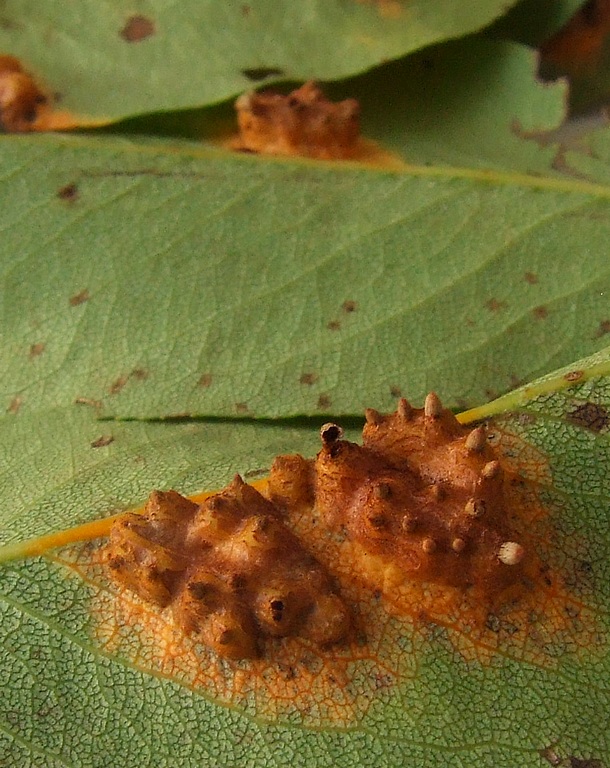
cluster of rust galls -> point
(422, 499)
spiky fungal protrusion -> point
(422, 497)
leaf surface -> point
(143, 279)
(109, 61)
(77, 693)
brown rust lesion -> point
(228, 570)
(301, 123)
(423, 501)
(21, 99)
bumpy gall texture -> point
(229, 570)
(301, 123)
(20, 97)
(421, 501)
(423, 497)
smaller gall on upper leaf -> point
(21, 99)
(302, 123)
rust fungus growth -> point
(302, 123)
(423, 513)
(21, 100)
(540, 313)
(37, 349)
(118, 385)
(279, 594)
(229, 571)
(495, 305)
(324, 402)
(137, 28)
(15, 405)
(603, 329)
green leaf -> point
(196, 282)
(145, 279)
(210, 51)
(72, 697)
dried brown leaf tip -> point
(301, 123)
(21, 100)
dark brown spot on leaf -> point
(118, 385)
(550, 755)
(395, 391)
(241, 407)
(590, 415)
(15, 404)
(88, 401)
(261, 73)
(531, 278)
(36, 350)
(587, 762)
(137, 28)
(603, 329)
(494, 305)
(324, 402)
(574, 375)
(102, 441)
(349, 306)
(79, 298)
(205, 380)
(540, 313)
(334, 325)
(139, 374)
(308, 378)
(69, 193)
(245, 10)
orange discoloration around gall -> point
(301, 598)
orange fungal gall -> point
(283, 593)
(421, 502)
